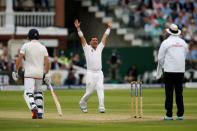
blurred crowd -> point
(4, 63)
(153, 16)
(62, 61)
(31, 5)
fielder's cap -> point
(173, 30)
(33, 34)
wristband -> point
(107, 32)
(80, 33)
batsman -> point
(36, 64)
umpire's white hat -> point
(173, 30)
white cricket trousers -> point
(94, 81)
(33, 94)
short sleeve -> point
(23, 48)
(45, 52)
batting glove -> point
(15, 75)
(47, 78)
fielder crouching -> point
(35, 58)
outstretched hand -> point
(109, 24)
(77, 23)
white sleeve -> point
(45, 52)
(159, 71)
(162, 53)
(186, 49)
(85, 47)
(23, 48)
(101, 46)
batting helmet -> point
(33, 34)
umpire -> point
(171, 58)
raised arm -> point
(80, 33)
(107, 32)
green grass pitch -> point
(15, 116)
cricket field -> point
(15, 116)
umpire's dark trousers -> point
(174, 81)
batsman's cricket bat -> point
(58, 106)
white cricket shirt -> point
(34, 53)
(172, 54)
(93, 57)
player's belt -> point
(33, 78)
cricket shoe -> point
(34, 113)
(167, 118)
(84, 110)
(102, 110)
(83, 107)
(179, 118)
(40, 115)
